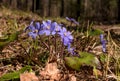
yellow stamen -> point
(65, 33)
(36, 31)
(48, 27)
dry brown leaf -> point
(53, 74)
(51, 71)
(51, 68)
(28, 77)
(72, 78)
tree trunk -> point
(29, 5)
(45, 7)
(66, 7)
(62, 8)
(78, 7)
(119, 10)
(34, 6)
(6, 2)
(55, 8)
(14, 4)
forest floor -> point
(14, 55)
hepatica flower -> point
(101, 37)
(104, 45)
(72, 20)
(46, 27)
(33, 29)
(103, 42)
(55, 28)
(33, 34)
(65, 36)
(30, 27)
(67, 39)
(71, 50)
(37, 26)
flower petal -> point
(54, 32)
(37, 25)
(64, 29)
(47, 32)
(41, 32)
(48, 22)
(70, 37)
(74, 21)
(32, 34)
(65, 41)
(101, 37)
(67, 18)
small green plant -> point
(7, 39)
(15, 74)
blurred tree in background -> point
(101, 10)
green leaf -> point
(14, 75)
(73, 62)
(95, 32)
(10, 76)
(76, 62)
(86, 58)
(28, 68)
(6, 40)
(14, 36)
(102, 58)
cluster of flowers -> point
(51, 28)
(103, 42)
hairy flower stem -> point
(35, 44)
(25, 50)
(87, 28)
(62, 49)
(55, 44)
(71, 24)
(44, 43)
(49, 44)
